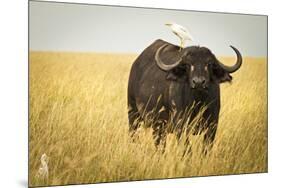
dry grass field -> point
(78, 118)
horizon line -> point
(120, 53)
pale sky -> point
(95, 28)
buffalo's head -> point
(198, 64)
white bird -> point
(181, 32)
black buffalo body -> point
(166, 82)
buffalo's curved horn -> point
(231, 69)
(161, 64)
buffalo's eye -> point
(192, 67)
(206, 67)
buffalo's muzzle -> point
(199, 82)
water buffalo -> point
(169, 81)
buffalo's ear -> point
(220, 74)
(171, 76)
(176, 73)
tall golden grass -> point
(78, 117)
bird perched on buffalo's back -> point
(181, 32)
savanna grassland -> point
(78, 118)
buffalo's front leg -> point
(209, 137)
(211, 115)
(159, 134)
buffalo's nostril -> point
(203, 81)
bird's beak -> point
(168, 24)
